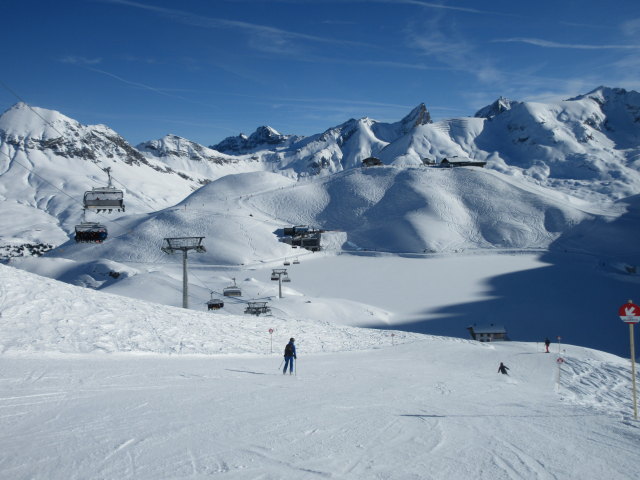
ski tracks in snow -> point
(516, 463)
(594, 383)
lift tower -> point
(183, 244)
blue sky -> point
(205, 70)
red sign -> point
(629, 312)
(271, 330)
(560, 360)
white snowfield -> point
(97, 386)
(103, 377)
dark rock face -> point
(418, 116)
(24, 250)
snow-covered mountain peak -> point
(502, 104)
(25, 121)
(264, 138)
(603, 94)
(266, 134)
(34, 128)
(175, 146)
(619, 112)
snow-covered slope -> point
(43, 316)
(48, 161)
(80, 401)
(403, 210)
(418, 212)
(587, 146)
(422, 209)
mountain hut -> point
(371, 162)
(488, 333)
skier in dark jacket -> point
(289, 355)
(503, 369)
(547, 342)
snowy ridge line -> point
(45, 316)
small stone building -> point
(460, 162)
(371, 162)
(488, 333)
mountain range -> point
(549, 167)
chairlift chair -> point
(232, 290)
(104, 199)
(90, 232)
(285, 278)
(286, 262)
(296, 261)
(214, 303)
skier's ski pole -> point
(281, 364)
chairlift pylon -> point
(104, 199)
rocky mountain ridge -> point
(264, 138)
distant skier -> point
(289, 356)
(503, 369)
(547, 342)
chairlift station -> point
(257, 308)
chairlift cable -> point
(15, 94)
(10, 90)
(14, 159)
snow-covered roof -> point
(488, 328)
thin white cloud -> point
(631, 28)
(440, 6)
(578, 46)
(133, 84)
(585, 25)
(337, 101)
(269, 39)
(448, 46)
(370, 63)
(420, 3)
(76, 60)
(143, 86)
